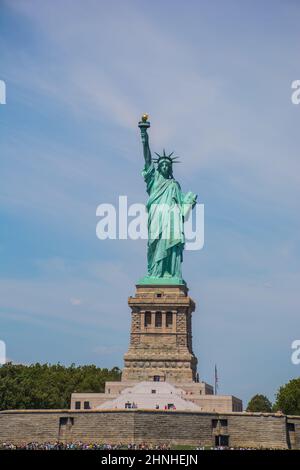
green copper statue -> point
(167, 208)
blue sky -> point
(215, 78)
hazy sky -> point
(215, 77)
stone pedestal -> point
(160, 350)
(161, 335)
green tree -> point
(42, 386)
(288, 398)
(259, 403)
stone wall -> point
(242, 429)
(293, 432)
(87, 426)
(257, 429)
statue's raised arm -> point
(143, 125)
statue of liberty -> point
(167, 208)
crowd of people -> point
(133, 406)
(96, 446)
(80, 446)
(232, 448)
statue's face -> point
(165, 168)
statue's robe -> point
(166, 213)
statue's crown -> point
(164, 156)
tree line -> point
(45, 386)
(287, 400)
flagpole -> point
(216, 380)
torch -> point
(143, 125)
